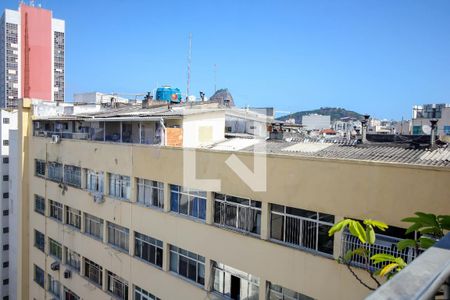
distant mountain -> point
(335, 113)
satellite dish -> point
(426, 129)
(191, 98)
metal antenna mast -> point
(188, 88)
(215, 78)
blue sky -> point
(376, 57)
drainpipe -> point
(433, 132)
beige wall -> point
(382, 191)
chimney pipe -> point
(364, 128)
(433, 132)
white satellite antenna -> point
(426, 129)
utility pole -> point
(188, 88)
(215, 78)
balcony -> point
(427, 277)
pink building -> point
(32, 51)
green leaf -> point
(357, 230)
(413, 227)
(405, 244)
(361, 252)
(426, 243)
(430, 230)
(370, 233)
(388, 268)
(380, 225)
(382, 257)
(400, 262)
(412, 220)
(339, 226)
(429, 219)
(348, 256)
(445, 222)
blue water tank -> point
(168, 94)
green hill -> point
(335, 113)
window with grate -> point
(72, 175)
(40, 167)
(55, 249)
(150, 193)
(119, 186)
(93, 226)
(55, 171)
(117, 286)
(93, 272)
(149, 249)
(56, 210)
(73, 217)
(187, 264)
(118, 236)
(188, 202)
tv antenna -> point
(188, 88)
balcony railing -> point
(426, 278)
(384, 244)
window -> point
(56, 210)
(72, 175)
(6, 161)
(237, 213)
(141, 294)
(5, 212)
(6, 264)
(69, 295)
(277, 292)
(5, 142)
(119, 186)
(73, 217)
(117, 286)
(5, 229)
(72, 259)
(188, 201)
(55, 171)
(118, 236)
(446, 130)
(5, 281)
(234, 283)
(55, 249)
(93, 272)
(5, 195)
(149, 249)
(5, 177)
(94, 181)
(39, 167)
(93, 226)
(6, 247)
(39, 240)
(187, 264)
(39, 204)
(150, 193)
(303, 228)
(54, 286)
(39, 276)
(5, 120)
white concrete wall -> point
(13, 213)
(194, 125)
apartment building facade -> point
(8, 121)
(117, 219)
(422, 114)
(32, 51)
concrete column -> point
(105, 232)
(209, 208)
(166, 197)
(133, 191)
(265, 221)
(166, 257)
(337, 242)
(83, 178)
(64, 257)
(208, 275)
(106, 183)
(104, 280)
(82, 222)
(263, 289)
(131, 243)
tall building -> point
(122, 203)
(32, 45)
(8, 121)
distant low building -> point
(97, 98)
(316, 122)
(422, 114)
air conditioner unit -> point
(56, 139)
(98, 198)
(67, 274)
(55, 266)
